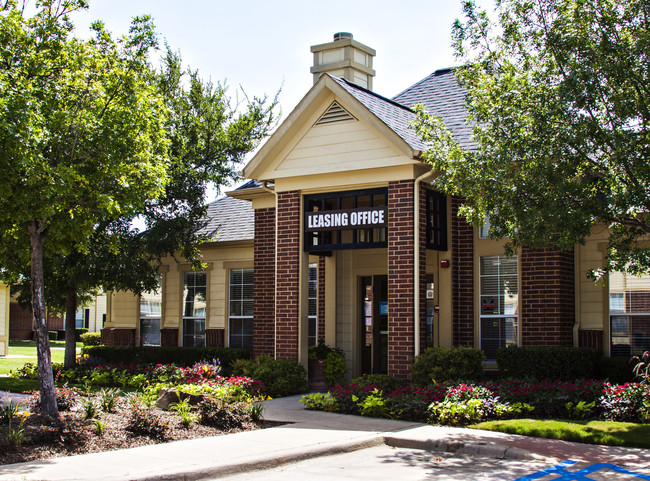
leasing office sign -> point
(359, 218)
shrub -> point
(617, 370)
(78, 332)
(224, 415)
(334, 368)
(627, 402)
(91, 338)
(319, 401)
(548, 362)
(439, 364)
(143, 421)
(281, 377)
(52, 335)
(184, 356)
(386, 382)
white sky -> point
(263, 45)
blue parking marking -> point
(578, 475)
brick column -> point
(287, 275)
(548, 298)
(264, 283)
(462, 265)
(401, 268)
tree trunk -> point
(45, 377)
(70, 330)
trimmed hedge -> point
(281, 377)
(439, 364)
(184, 356)
(549, 363)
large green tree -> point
(559, 92)
(82, 137)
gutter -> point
(275, 270)
(416, 261)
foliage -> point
(322, 350)
(467, 404)
(89, 407)
(91, 338)
(334, 368)
(281, 377)
(108, 399)
(642, 367)
(581, 410)
(548, 362)
(143, 421)
(185, 412)
(66, 397)
(386, 381)
(557, 92)
(318, 401)
(185, 356)
(627, 402)
(617, 370)
(8, 410)
(12, 434)
(224, 415)
(439, 364)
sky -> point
(262, 47)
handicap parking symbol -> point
(580, 475)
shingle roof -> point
(395, 115)
(229, 219)
(442, 95)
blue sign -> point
(383, 308)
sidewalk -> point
(311, 434)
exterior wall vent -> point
(335, 113)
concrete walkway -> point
(310, 434)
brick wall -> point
(287, 275)
(21, 322)
(462, 246)
(264, 283)
(401, 265)
(548, 297)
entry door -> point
(374, 324)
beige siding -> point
(123, 310)
(340, 147)
(591, 299)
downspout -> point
(275, 270)
(416, 261)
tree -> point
(208, 138)
(81, 138)
(559, 92)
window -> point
(484, 230)
(150, 316)
(194, 308)
(82, 319)
(240, 310)
(499, 299)
(436, 221)
(629, 314)
(313, 304)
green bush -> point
(617, 370)
(334, 368)
(281, 377)
(52, 335)
(548, 362)
(78, 332)
(184, 356)
(91, 338)
(439, 364)
(385, 382)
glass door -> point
(374, 324)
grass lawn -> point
(590, 432)
(27, 351)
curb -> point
(266, 462)
(497, 451)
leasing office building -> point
(339, 236)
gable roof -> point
(228, 219)
(443, 96)
(395, 115)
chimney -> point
(346, 58)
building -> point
(339, 236)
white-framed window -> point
(150, 317)
(499, 303)
(82, 319)
(313, 304)
(629, 314)
(240, 308)
(194, 308)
